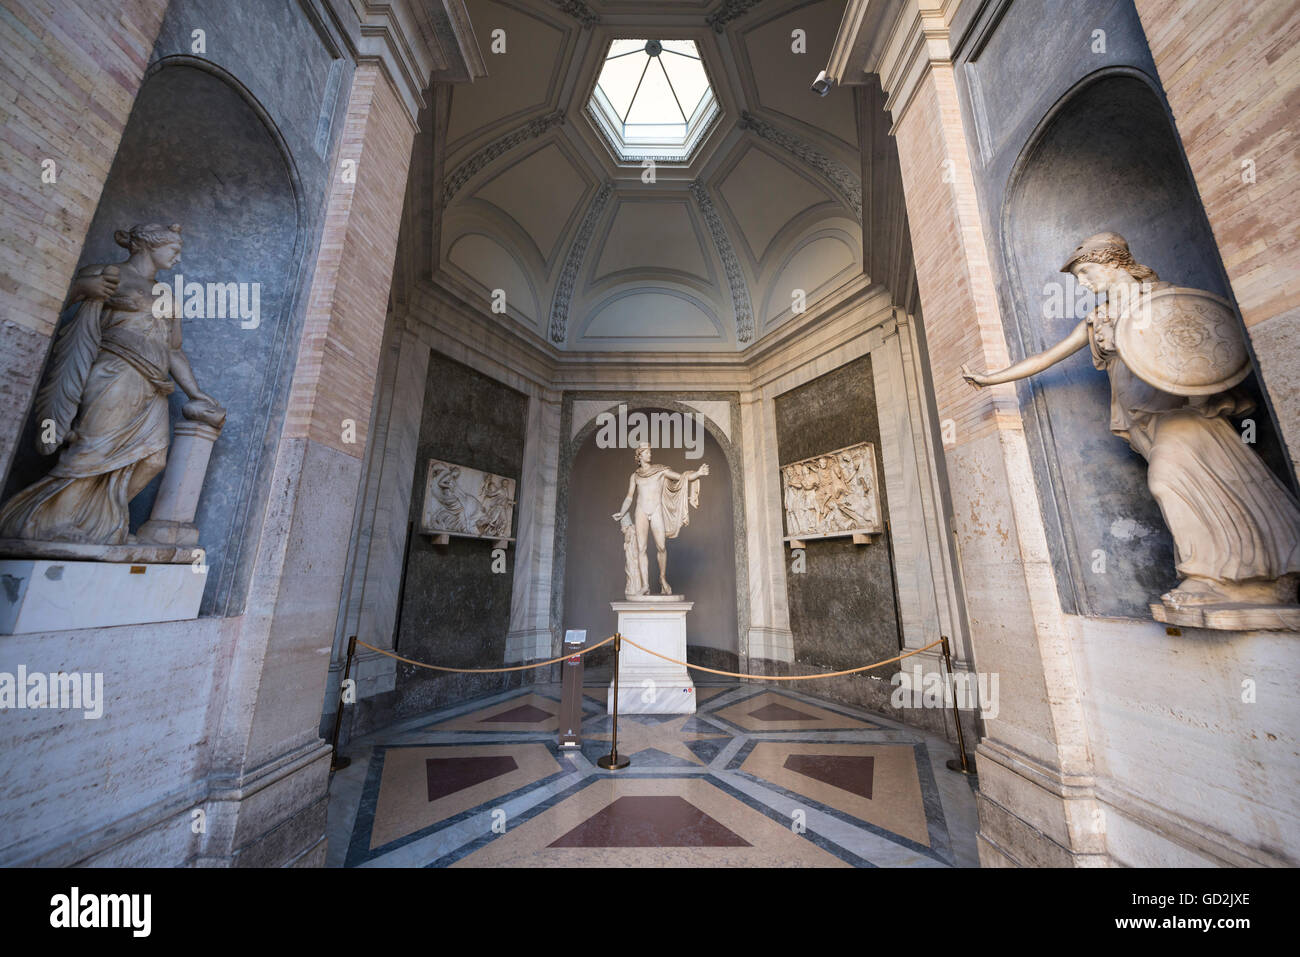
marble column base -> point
(56, 595)
(646, 684)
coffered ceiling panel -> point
(648, 234)
(492, 267)
(521, 81)
(782, 77)
(541, 192)
(763, 194)
(641, 317)
(817, 266)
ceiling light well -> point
(653, 99)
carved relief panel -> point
(832, 495)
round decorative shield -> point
(1183, 341)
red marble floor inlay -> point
(650, 821)
(852, 773)
(779, 712)
(524, 714)
(449, 775)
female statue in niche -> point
(103, 406)
(1236, 527)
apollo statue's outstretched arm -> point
(627, 502)
(1032, 365)
(688, 476)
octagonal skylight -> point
(653, 100)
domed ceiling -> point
(694, 231)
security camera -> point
(822, 85)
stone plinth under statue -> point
(646, 684)
(62, 586)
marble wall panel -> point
(455, 610)
(842, 606)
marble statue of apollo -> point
(664, 499)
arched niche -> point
(701, 559)
(198, 150)
(1106, 158)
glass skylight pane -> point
(654, 102)
(648, 93)
(686, 47)
(619, 79)
(689, 80)
(655, 133)
(624, 46)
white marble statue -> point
(1236, 527)
(664, 499)
(103, 406)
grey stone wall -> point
(842, 606)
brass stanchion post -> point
(962, 765)
(337, 761)
(611, 761)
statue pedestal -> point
(41, 594)
(1237, 616)
(646, 684)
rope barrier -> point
(484, 671)
(828, 674)
(613, 761)
(714, 671)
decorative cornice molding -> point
(728, 11)
(731, 265)
(573, 262)
(413, 40)
(578, 10)
(477, 161)
(842, 180)
(455, 35)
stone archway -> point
(707, 561)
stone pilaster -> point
(271, 809)
(769, 637)
(529, 638)
(1035, 757)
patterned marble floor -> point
(756, 778)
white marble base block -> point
(40, 595)
(646, 684)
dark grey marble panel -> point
(455, 609)
(842, 605)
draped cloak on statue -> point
(1230, 516)
(676, 502)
